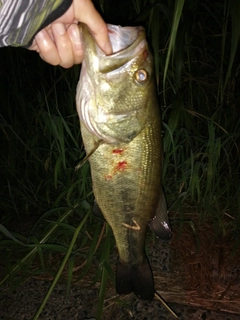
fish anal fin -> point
(137, 279)
(160, 224)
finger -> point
(46, 48)
(34, 46)
(64, 44)
(86, 12)
(77, 47)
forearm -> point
(20, 20)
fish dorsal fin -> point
(160, 223)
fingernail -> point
(40, 35)
(75, 33)
(59, 28)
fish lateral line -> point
(136, 227)
(81, 163)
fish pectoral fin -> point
(160, 224)
(136, 227)
(81, 163)
(137, 279)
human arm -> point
(58, 42)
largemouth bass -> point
(121, 130)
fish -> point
(120, 123)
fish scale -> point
(125, 152)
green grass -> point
(195, 46)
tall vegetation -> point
(196, 50)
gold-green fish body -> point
(120, 120)
(126, 186)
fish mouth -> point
(124, 40)
(127, 42)
(123, 37)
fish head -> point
(114, 91)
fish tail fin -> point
(137, 279)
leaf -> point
(58, 274)
(176, 19)
(235, 15)
(8, 234)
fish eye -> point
(141, 76)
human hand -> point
(60, 42)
